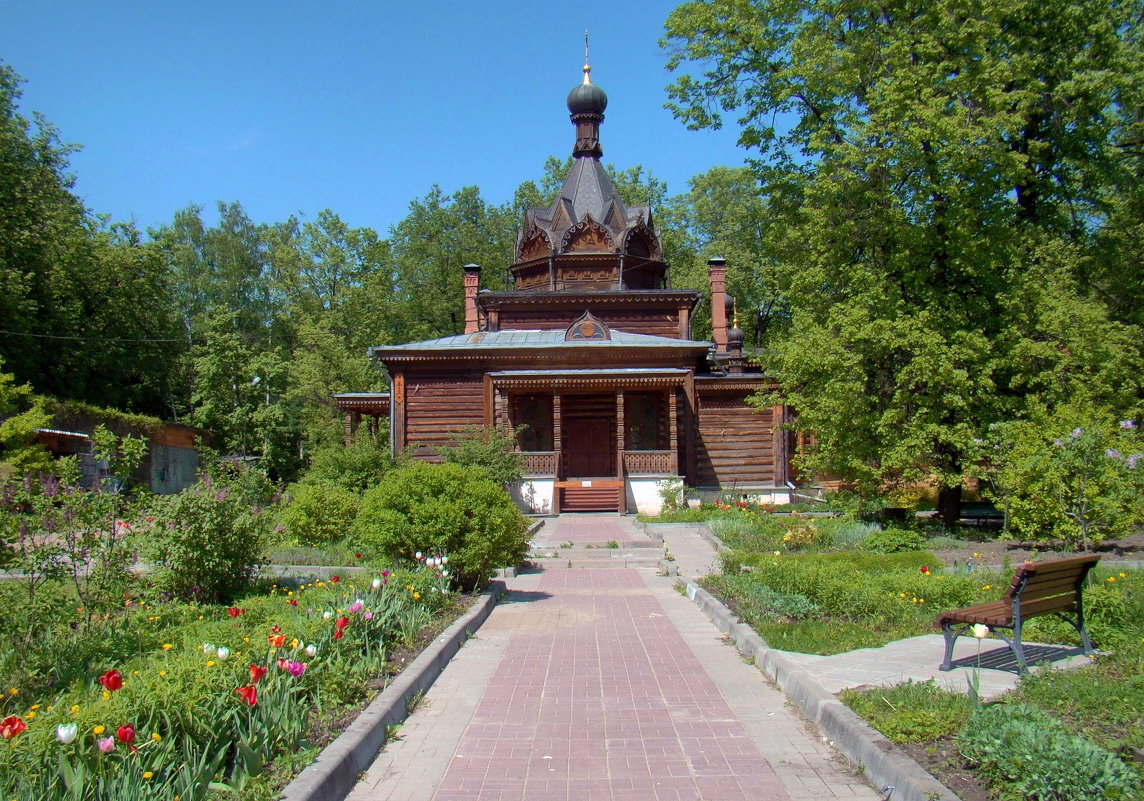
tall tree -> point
(949, 162)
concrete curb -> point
(883, 763)
(334, 773)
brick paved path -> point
(603, 684)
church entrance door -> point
(589, 436)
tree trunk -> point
(949, 505)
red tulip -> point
(276, 629)
(248, 693)
(335, 579)
(11, 726)
(234, 611)
(111, 680)
(126, 734)
(925, 570)
(256, 673)
(293, 602)
(276, 640)
(283, 663)
(341, 623)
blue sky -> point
(293, 107)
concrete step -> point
(597, 557)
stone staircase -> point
(643, 552)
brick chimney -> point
(472, 286)
(717, 273)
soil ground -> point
(986, 550)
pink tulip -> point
(296, 669)
(106, 745)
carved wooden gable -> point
(588, 237)
(533, 244)
(587, 326)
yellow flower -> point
(246, 639)
(210, 663)
(1123, 575)
(106, 695)
(987, 587)
(416, 596)
(162, 674)
(75, 708)
(976, 555)
(294, 643)
(1111, 578)
(155, 736)
(167, 646)
(30, 716)
(35, 706)
(97, 730)
(147, 774)
(901, 595)
(13, 691)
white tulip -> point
(223, 653)
(311, 651)
(980, 631)
(66, 732)
(376, 584)
(208, 648)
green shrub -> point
(910, 712)
(443, 509)
(488, 448)
(206, 542)
(895, 540)
(319, 513)
(356, 467)
(1025, 753)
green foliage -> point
(757, 602)
(443, 509)
(357, 466)
(1025, 753)
(19, 455)
(1069, 478)
(488, 448)
(895, 540)
(319, 513)
(206, 543)
(926, 169)
(910, 712)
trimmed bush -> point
(443, 509)
(357, 466)
(319, 513)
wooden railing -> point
(649, 463)
(539, 463)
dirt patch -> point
(988, 551)
(942, 760)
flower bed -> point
(196, 698)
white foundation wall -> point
(643, 495)
(534, 496)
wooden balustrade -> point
(539, 463)
(649, 463)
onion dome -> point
(587, 98)
(735, 335)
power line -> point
(89, 339)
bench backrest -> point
(1049, 586)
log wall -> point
(438, 405)
(734, 443)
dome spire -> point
(586, 104)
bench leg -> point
(950, 638)
(1018, 648)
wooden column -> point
(690, 426)
(558, 447)
(779, 445)
(489, 414)
(620, 451)
(673, 426)
(398, 412)
(349, 437)
(502, 413)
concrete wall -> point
(171, 468)
(643, 495)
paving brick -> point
(603, 684)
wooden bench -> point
(1038, 588)
(981, 514)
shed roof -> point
(531, 340)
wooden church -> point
(593, 353)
